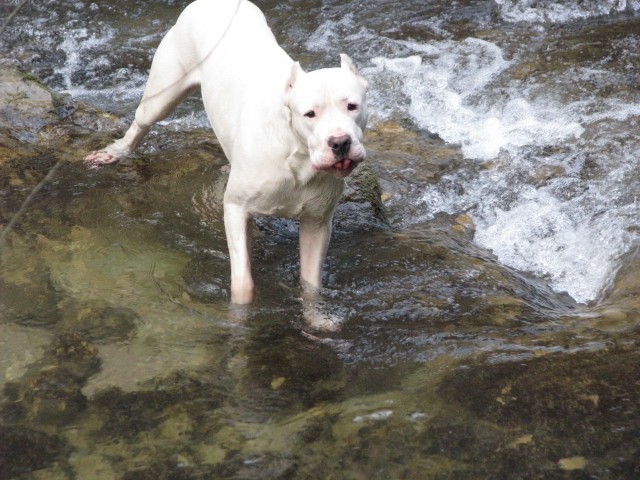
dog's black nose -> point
(340, 145)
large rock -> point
(25, 105)
(35, 119)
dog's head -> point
(328, 113)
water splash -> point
(536, 204)
(76, 44)
(559, 12)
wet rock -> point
(23, 450)
(11, 149)
(34, 118)
(624, 292)
(546, 173)
(25, 105)
(465, 226)
(399, 149)
(361, 206)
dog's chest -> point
(286, 197)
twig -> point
(5, 231)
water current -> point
(529, 125)
(488, 318)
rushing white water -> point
(75, 44)
(565, 11)
(534, 205)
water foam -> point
(559, 226)
(76, 44)
(558, 12)
(552, 239)
(442, 85)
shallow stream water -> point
(488, 318)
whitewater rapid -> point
(535, 202)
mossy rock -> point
(23, 450)
(360, 207)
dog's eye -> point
(352, 107)
(310, 114)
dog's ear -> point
(347, 63)
(296, 72)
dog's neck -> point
(297, 161)
(299, 165)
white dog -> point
(291, 137)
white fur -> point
(258, 101)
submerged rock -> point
(23, 450)
(172, 406)
(27, 294)
(21, 347)
(203, 280)
(574, 406)
(52, 396)
(99, 322)
(50, 392)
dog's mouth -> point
(345, 164)
(341, 168)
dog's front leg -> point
(314, 241)
(236, 224)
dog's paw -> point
(100, 158)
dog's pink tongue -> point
(342, 164)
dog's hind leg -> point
(237, 228)
(173, 76)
